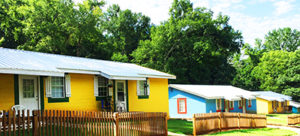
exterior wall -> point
(157, 101)
(82, 95)
(236, 107)
(211, 105)
(295, 110)
(253, 108)
(7, 99)
(194, 104)
(263, 106)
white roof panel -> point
(35, 61)
(215, 91)
(295, 104)
(272, 96)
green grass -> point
(256, 132)
(277, 118)
(180, 126)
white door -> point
(28, 92)
(121, 105)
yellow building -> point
(42, 81)
(270, 102)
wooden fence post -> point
(116, 126)
(239, 119)
(220, 122)
(166, 121)
(35, 127)
(194, 125)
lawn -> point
(186, 127)
(180, 126)
(256, 132)
(277, 118)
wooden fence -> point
(80, 123)
(216, 122)
(294, 119)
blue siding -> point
(195, 104)
(295, 110)
(236, 107)
(251, 109)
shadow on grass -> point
(180, 126)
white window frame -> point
(144, 91)
(66, 86)
(240, 103)
(249, 102)
(220, 102)
(63, 87)
(231, 104)
(103, 86)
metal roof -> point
(295, 104)
(272, 96)
(215, 91)
(36, 63)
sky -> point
(254, 18)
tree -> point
(245, 64)
(192, 45)
(124, 30)
(279, 71)
(283, 39)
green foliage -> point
(192, 45)
(124, 29)
(283, 39)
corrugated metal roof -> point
(18, 60)
(272, 96)
(295, 104)
(215, 91)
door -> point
(28, 92)
(121, 105)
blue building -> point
(294, 107)
(186, 100)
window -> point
(181, 106)
(218, 105)
(231, 105)
(102, 86)
(143, 88)
(240, 104)
(57, 87)
(28, 88)
(249, 103)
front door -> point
(28, 92)
(121, 91)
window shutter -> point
(138, 91)
(96, 93)
(48, 86)
(68, 85)
(148, 88)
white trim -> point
(126, 78)
(231, 103)
(159, 76)
(220, 104)
(31, 72)
(79, 71)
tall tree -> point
(192, 45)
(283, 39)
(124, 30)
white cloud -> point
(284, 6)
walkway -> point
(297, 130)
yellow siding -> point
(7, 99)
(82, 95)
(262, 106)
(157, 101)
(270, 107)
